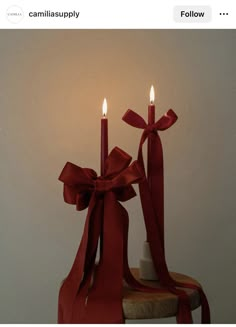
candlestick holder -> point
(146, 267)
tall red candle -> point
(151, 120)
(104, 136)
(150, 146)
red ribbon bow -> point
(92, 293)
(152, 199)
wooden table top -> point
(140, 305)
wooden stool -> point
(140, 305)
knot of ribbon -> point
(102, 185)
(152, 199)
(150, 129)
(84, 297)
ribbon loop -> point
(133, 119)
(116, 162)
(166, 121)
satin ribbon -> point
(152, 199)
(92, 293)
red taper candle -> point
(104, 136)
(151, 120)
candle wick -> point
(151, 102)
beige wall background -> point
(52, 84)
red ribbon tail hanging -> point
(104, 298)
(205, 309)
(156, 188)
(184, 315)
(128, 276)
(156, 183)
(206, 315)
(80, 272)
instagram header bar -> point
(105, 14)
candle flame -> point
(104, 107)
(152, 94)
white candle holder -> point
(146, 267)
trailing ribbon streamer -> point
(90, 289)
(152, 199)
